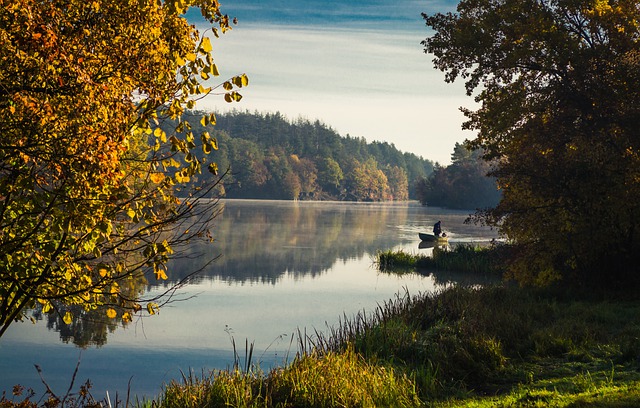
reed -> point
(462, 258)
(396, 261)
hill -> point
(272, 157)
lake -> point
(284, 266)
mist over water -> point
(281, 266)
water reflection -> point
(282, 266)
(263, 241)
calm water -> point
(284, 266)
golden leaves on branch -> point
(80, 104)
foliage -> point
(271, 157)
(463, 184)
(87, 180)
(365, 182)
(559, 88)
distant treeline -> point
(271, 157)
(463, 184)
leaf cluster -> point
(87, 204)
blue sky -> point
(357, 66)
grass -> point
(328, 379)
(483, 347)
(462, 258)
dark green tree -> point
(558, 82)
(463, 184)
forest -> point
(271, 157)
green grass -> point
(396, 261)
(467, 259)
(483, 347)
(328, 379)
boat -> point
(432, 238)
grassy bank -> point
(470, 346)
(494, 346)
(483, 347)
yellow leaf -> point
(68, 318)
(111, 313)
(205, 46)
(156, 177)
(152, 308)
(161, 275)
(126, 317)
(102, 272)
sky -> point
(355, 65)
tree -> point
(461, 185)
(88, 181)
(559, 87)
(366, 182)
(330, 175)
(398, 183)
(307, 174)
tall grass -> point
(396, 261)
(327, 379)
(462, 258)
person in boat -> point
(437, 229)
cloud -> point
(374, 83)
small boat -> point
(432, 238)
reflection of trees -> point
(263, 241)
(90, 327)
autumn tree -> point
(366, 182)
(398, 183)
(88, 179)
(307, 173)
(558, 83)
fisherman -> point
(437, 229)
